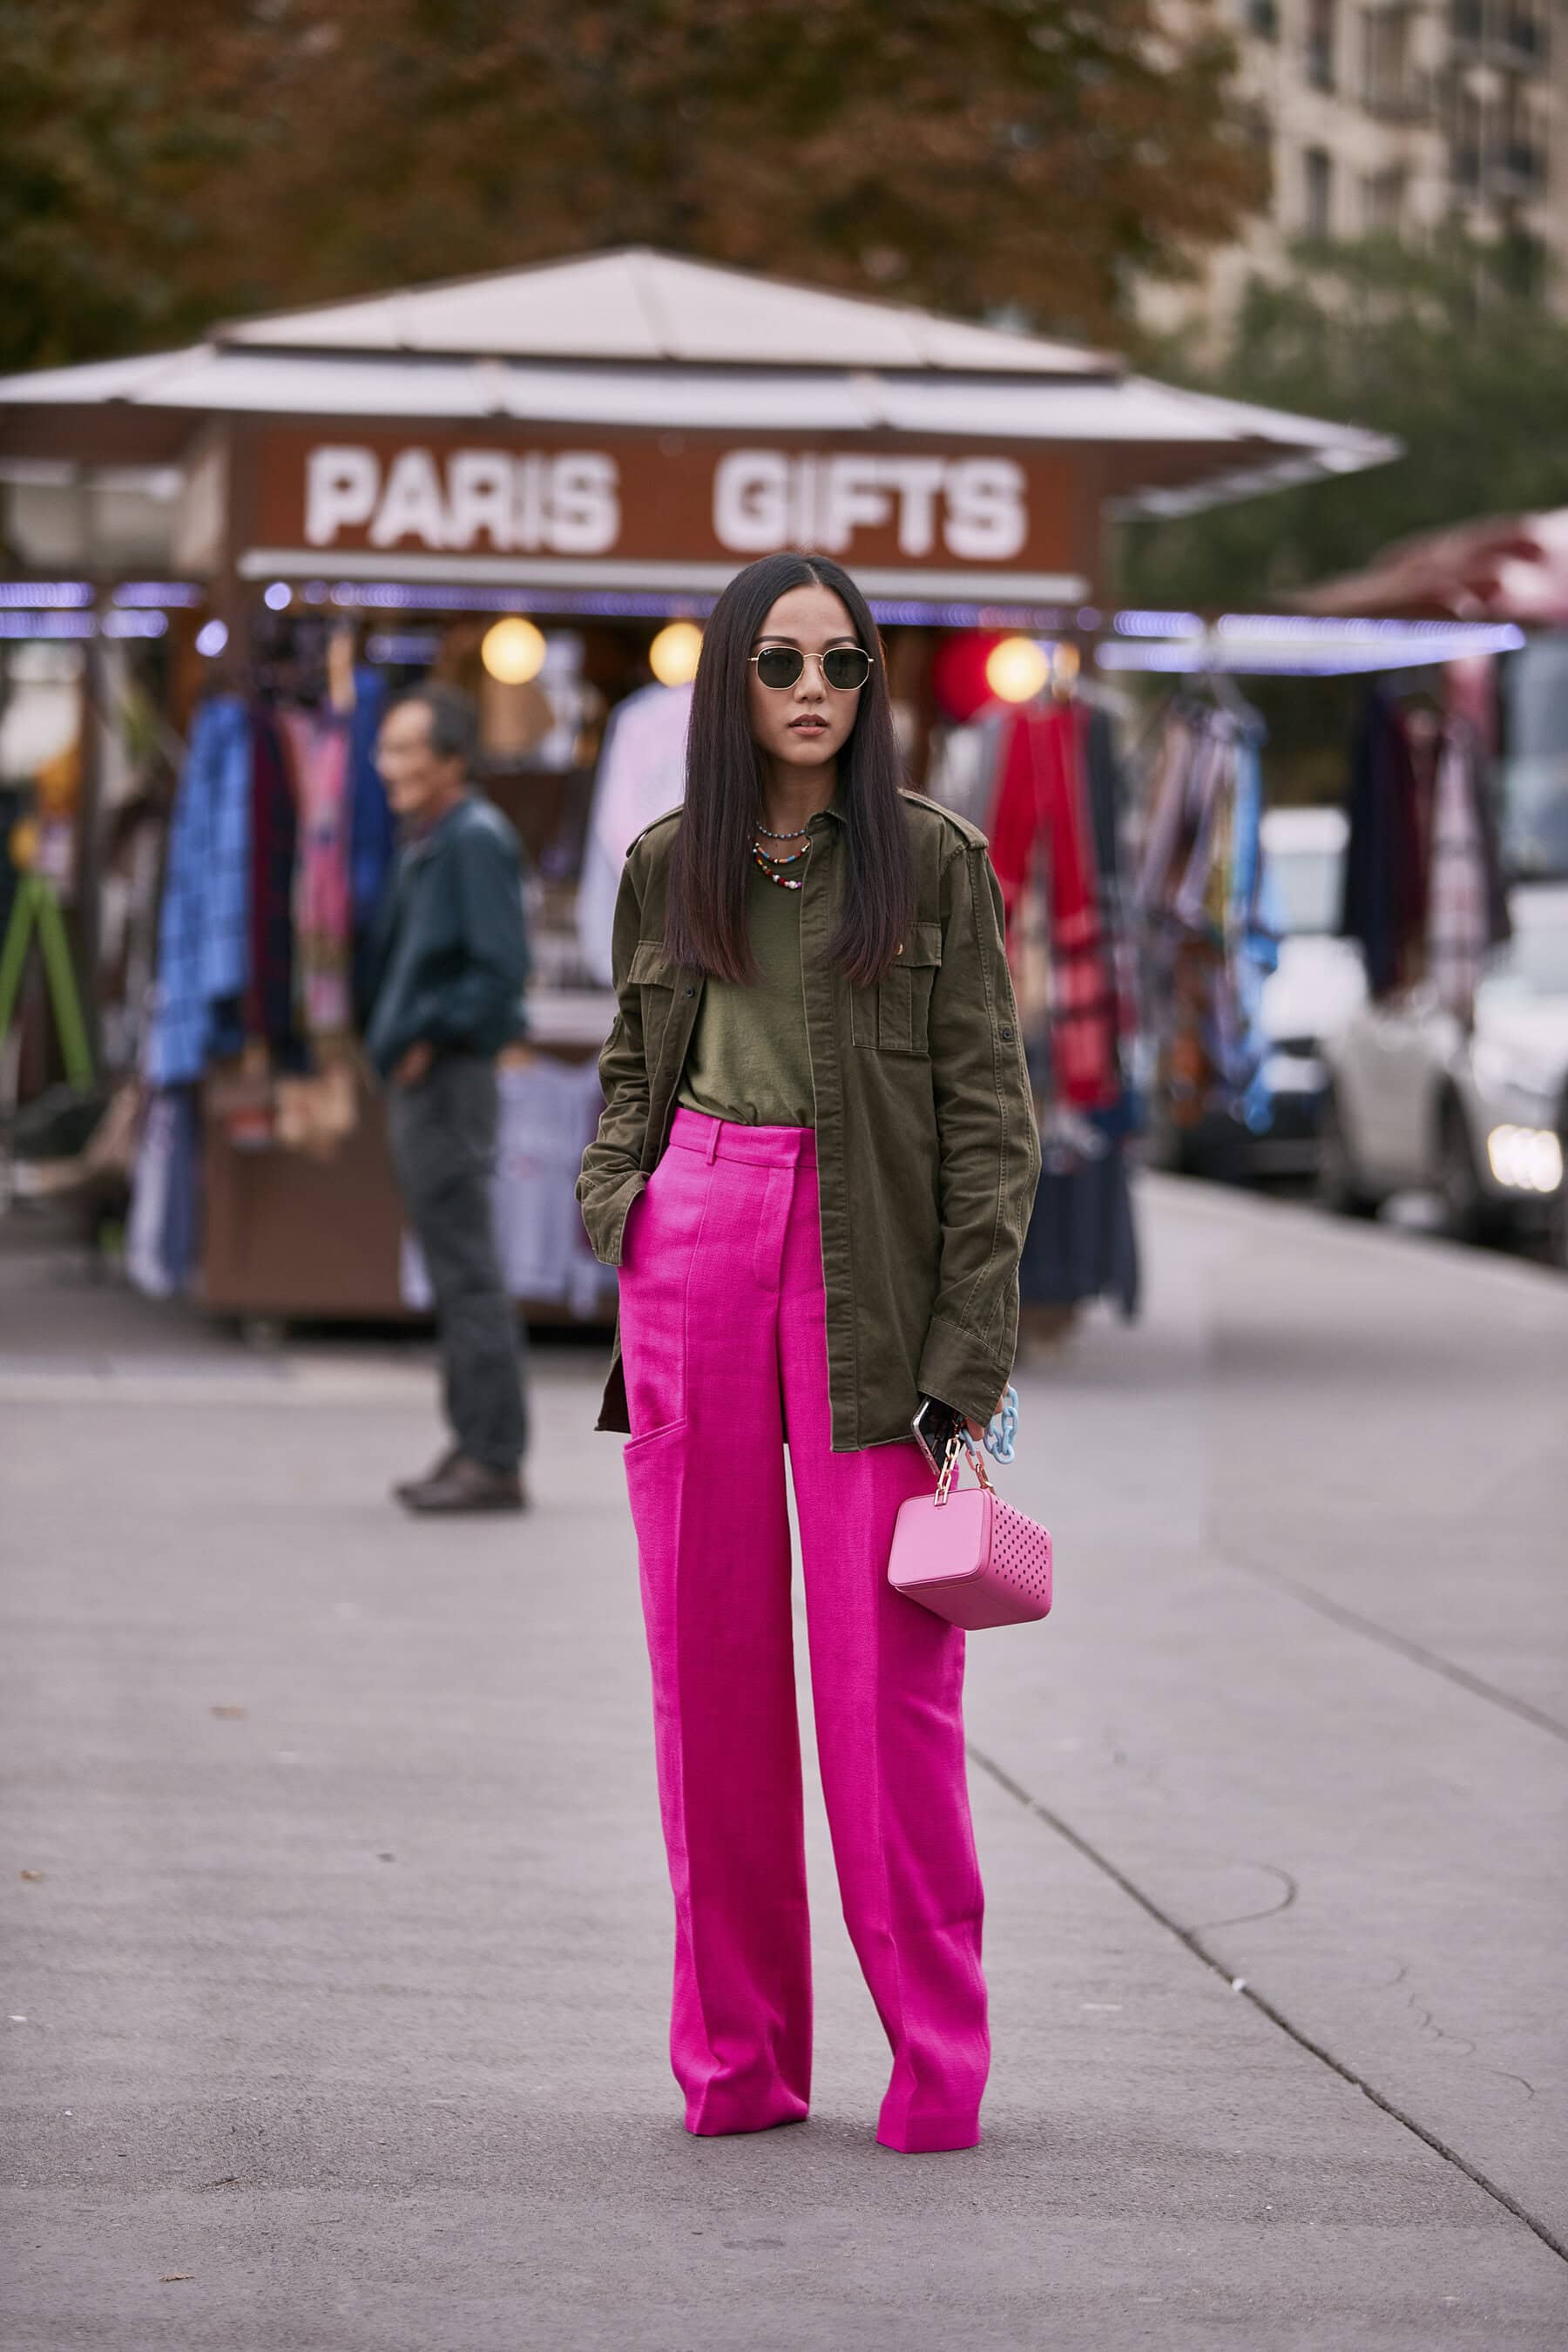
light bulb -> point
(1017, 669)
(513, 651)
(672, 657)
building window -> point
(1319, 170)
(1263, 18)
(1386, 83)
(1383, 202)
(1466, 18)
(1320, 44)
(1523, 28)
(1466, 151)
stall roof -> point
(637, 304)
(638, 338)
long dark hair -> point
(710, 867)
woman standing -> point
(815, 1170)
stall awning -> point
(639, 340)
(1499, 568)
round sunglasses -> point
(845, 668)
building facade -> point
(1398, 117)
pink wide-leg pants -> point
(724, 1341)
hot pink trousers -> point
(724, 1341)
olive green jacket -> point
(927, 1150)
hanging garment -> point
(1458, 934)
(1042, 839)
(1424, 886)
(1082, 1241)
(372, 828)
(964, 766)
(163, 1234)
(204, 923)
(1103, 781)
(1057, 823)
(269, 992)
(1385, 875)
(1251, 945)
(318, 744)
(642, 773)
(1209, 937)
(1466, 900)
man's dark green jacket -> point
(927, 1150)
(450, 953)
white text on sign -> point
(570, 501)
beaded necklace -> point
(765, 861)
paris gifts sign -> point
(663, 499)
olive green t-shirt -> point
(748, 1059)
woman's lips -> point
(808, 726)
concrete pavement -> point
(335, 2014)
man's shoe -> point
(439, 1469)
(466, 1486)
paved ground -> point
(336, 2004)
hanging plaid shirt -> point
(1458, 916)
(203, 922)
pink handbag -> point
(966, 1554)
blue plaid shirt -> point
(204, 924)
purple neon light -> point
(43, 595)
(1313, 657)
(135, 624)
(173, 596)
(47, 624)
(400, 596)
(400, 649)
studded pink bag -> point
(969, 1556)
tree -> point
(1472, 378)
(980, 155)
(106, 142)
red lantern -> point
(958, 672)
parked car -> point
(1478, 1115)
(1315, 987)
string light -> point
(672, 657)
(1017, 669)
(513, 651)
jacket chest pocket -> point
(894, 1017)
(654, 977)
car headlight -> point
(1525, 1159)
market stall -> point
(532, 484)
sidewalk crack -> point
(1190, 1938)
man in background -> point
(444, 985)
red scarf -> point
(1040, 826)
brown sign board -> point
(498, 491)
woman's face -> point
(804, 725)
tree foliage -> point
(1472, 378)
(160, 166)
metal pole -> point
(90, 846)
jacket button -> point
(691, 991)
(1006, 1036)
